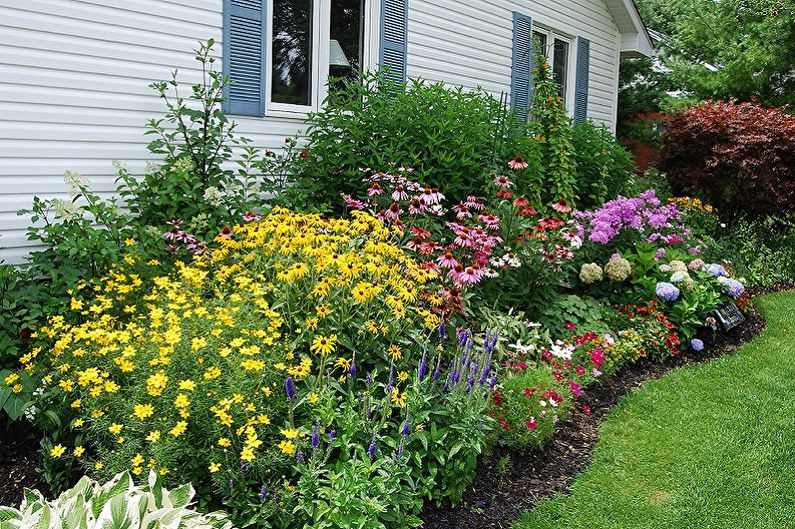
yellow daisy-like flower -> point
(187, 385)
(324, 345)
(223, 441)
(153, 436)
(398, 397)
(79, 451)
(214, 467)
(115, 428)
(395, 353)
(247, 454)
(311, 324)
(179, 429)
(78, 423)
(142, 411)
(323, 311)
(57, 450)
(403, 376)
(313, 398)
(99, 465)
(287, 447)
(290, 433)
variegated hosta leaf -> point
(118, 504)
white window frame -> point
(321, 34)
(571, 60)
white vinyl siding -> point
(469, 43)
(74, 78)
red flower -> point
(531, 423)
(521, 202)
(526, 212)
(504, 424)
(529, 392)
(304, 154)
(498, 398)
(517, 164)
(562, 206)
(25, 333)
(569, 325)
(586, 410)
(503, 194)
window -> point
(312, 42)
(556, 49)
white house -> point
(74, 73)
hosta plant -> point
(117, 504)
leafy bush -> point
(117, 503)
(195, 140)
(736, 155)
(604, 167)
(450, 137)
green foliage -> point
(641, 89)
(195, 140)
(118, 503)
(450, 137)
(604, 167)
(585, 312)
(550, 126)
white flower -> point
(213, 196)
(75, 182)
(65, 209)
(522, 349)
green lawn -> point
(704, 447)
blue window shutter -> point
(394, 34)
(581, 84)
(521, 65)
(244, 56)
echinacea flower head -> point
(562, 206)
(517, 164)
(501, 181)
(667, 291)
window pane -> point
(292, 52)
(347, 29)
(560, 65)
(541, 42)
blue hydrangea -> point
(697, 344)
(732, 287)
(717, 270)
(667, 291)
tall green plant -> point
(551, 127)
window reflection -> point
(560, 65)
(292, 52)
(347, 28)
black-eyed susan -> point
(324, 345)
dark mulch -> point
(495, 500)
(19, 459)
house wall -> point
(74, 78)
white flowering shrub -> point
(117, 504)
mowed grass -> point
(704, 447)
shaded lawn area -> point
(704, 447)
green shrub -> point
(450, 137)
(117, 503)
(604, 167)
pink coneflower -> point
(502, 181)
(462, 212)
(429, 247)
(172, 234)
(399, 193)
(489, 220)
(416, 207)
(352, 202)
(503, 194)
(562, 206)
(226, 233)
(474, 203)
(252, 217)
(419, 232)
(414, 243)
(393, 212)
(531, 423)
(447, 260)
(431, 196)
(521, 202)
(517, 164)
(470, 275)
(375, 189)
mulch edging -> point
(19, 459)
(495, 500)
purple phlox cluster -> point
(717, 270)
(644, 212)
(667, 291)
(731, 286)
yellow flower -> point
(142, 411)
(403, 376)
(137, 471)
(79, 451)
(115, 428)
(156, 383)
(76, 304)
(214, 467)
(323, 311)
(198, 343)
(287, 447)
(290, 433)
(247, 454)
(181, 401)
(187, 385)
(311, 324)
(313, 398)
(137, 461)
(420, 427)
(223, 441)
(57, 450)
(78, 423)
(13, 377)
(178, 429)
(153, 436)
(324, 345)
(99, 465)
(398, 397)
(395, 353)
(212, 373)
